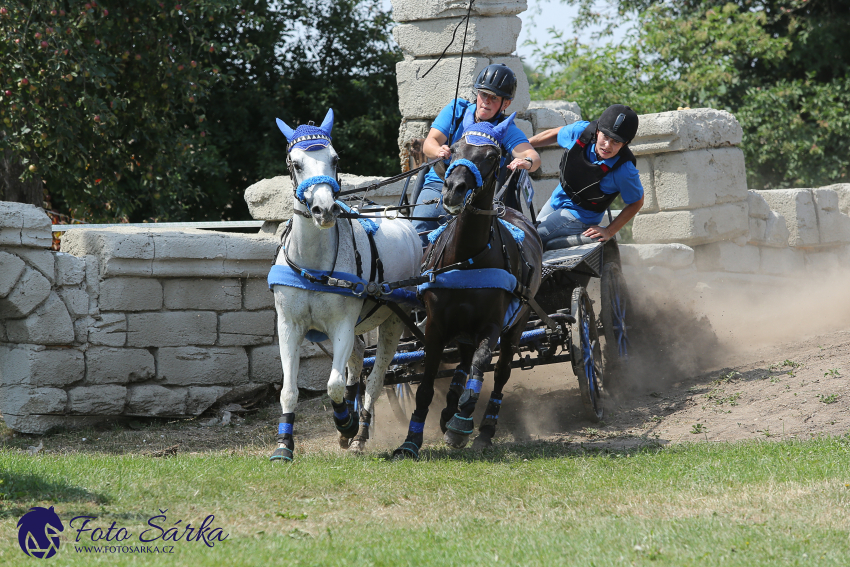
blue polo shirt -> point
(465, 110)
(625, 179)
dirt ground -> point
(759, 364)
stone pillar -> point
(424, 31)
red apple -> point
(25, 81)
(44, 44)
(105, 12)
(193, 64)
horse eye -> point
(335, 161)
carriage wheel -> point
(616, 312)
(586, 354)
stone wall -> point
(133, 322)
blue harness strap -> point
(479, 181)
(368, 225)
(478, 278)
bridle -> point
(300, 188)
(473, 193)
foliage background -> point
(780, 66)
(165, 110)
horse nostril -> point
(336, 209)
(316, 210)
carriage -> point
(595, 344)
(486, 283)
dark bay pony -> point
(483, 262)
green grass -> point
(748, 504)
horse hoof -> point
(345, 442)
(455, 440)
(282, 454)
(357, 446)
(482, 442)
(445, 416)
(408, 450)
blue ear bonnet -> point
(309, 138)
(483, 134)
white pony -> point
(319, 281)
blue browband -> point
(471, 166)
(315, 180)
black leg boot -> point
(410, 448)
(452, 398)
(345, 421)
(285, 444)
(487, 430)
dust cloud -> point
(680, 328)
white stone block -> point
(413, 130)
(833, 226)
(409, 10)
(843, 191)
(265, 364)
(24, 225)
(93, 282)
(684, 130)
(523, 96)
(217, 294)
(130, 294)
(111, 244)
(782, 261)
(118, 365)
(41, 260)
(49, 324)
(70, 270)
(193, 366)
(76, 300)
(22, 400)
(798, 208)
(199, 398)
(672, 256)
(727, 257)
(256, 294)
(11, 268)
(313, 373)
(525, 127)
(562, 106)
(81, 329)
(701, 178)
(270, 199)
(29, 292)
(103, 399)
(550, 163)
(545, 119)
(38, 366)
(150, 400)
(697, 226)
(421, 98)
(243, 328)
(758, 230)
(759, 208)
(171, 328)
(487, 36)
(776, 232)
(41, 424)
(645, 167)
(108, 329)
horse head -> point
(475, 164)
(312, 164)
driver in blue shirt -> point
(496, 86)
(596, 167)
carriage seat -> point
(568, 242)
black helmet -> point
(619, 122)
(498, 79)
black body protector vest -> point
(580, 178)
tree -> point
(779, 66)
(341, 58)
(105, 101)
(147, 110)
